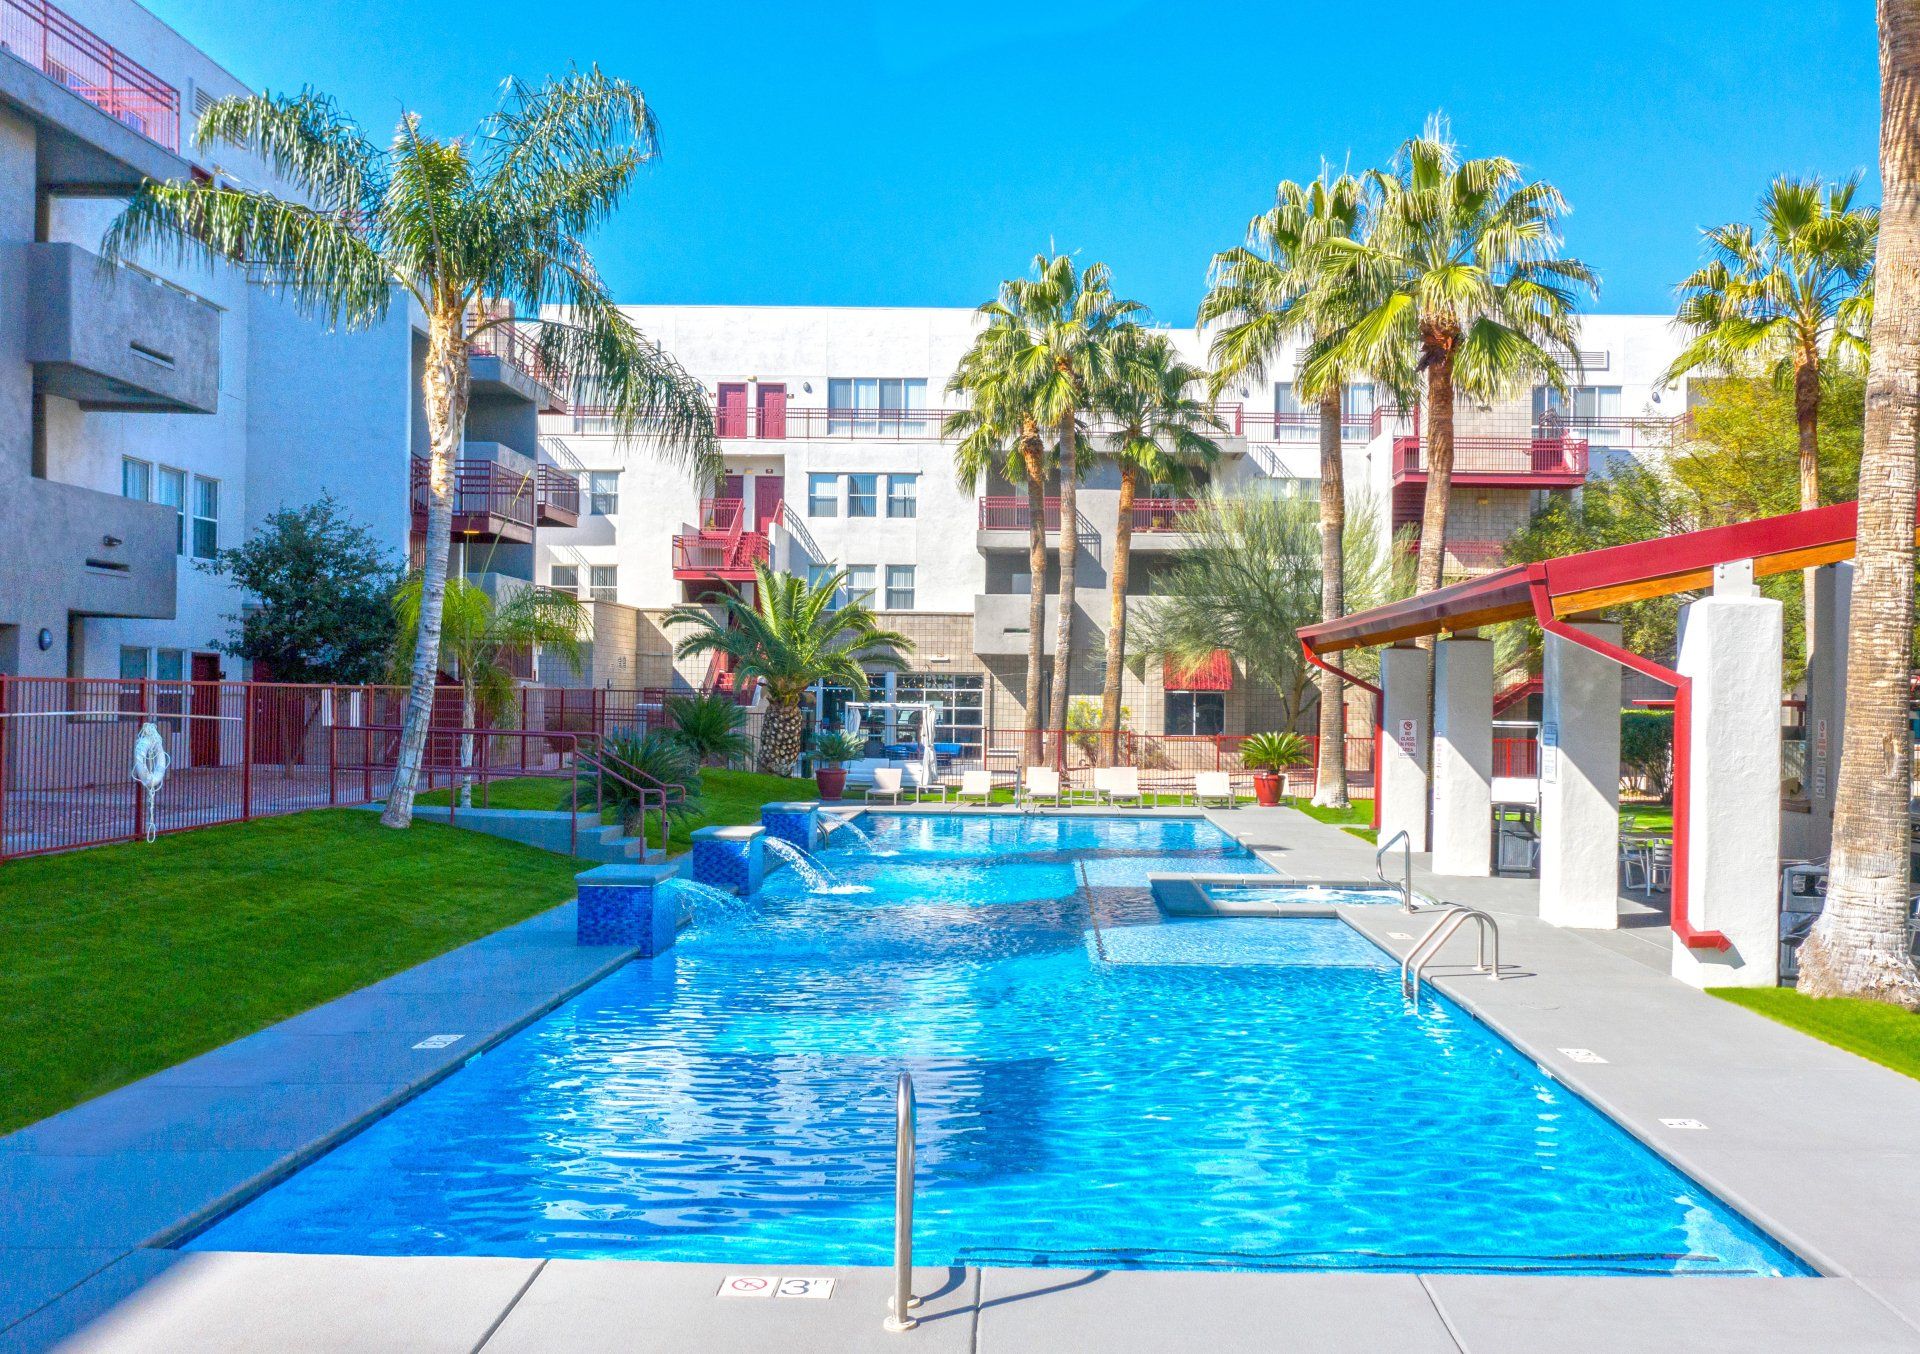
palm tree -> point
(1050, 343)
(1159, 435)
(1458, 267)
(792, 635)
(1270, 291)
(1793, 299)
(1859, 948)
(469, 229)
(479, 641)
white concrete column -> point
(1731, 650)
(1402, 772)
(1826, 711)
(1463, 756)
(1580, 783)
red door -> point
(773, 411)
(203, 730)
(732, 421)
(767, 493)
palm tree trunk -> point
(1859, 947)
(1438, 440)
(466, 743)
(780, 738)
(444, 393)
(1330, 779)
(1806, 414)
(1117, 615)
(1036, 597)
(1069, 553)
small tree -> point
(711, 727)
(319, 584)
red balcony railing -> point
(1302, 426)
(557, 499)
(1494, 459)
(1161, 514)
(722, 548)
(489, 501)
(1516, 757)
(91, 67)
(1009, 512)
(518, 345)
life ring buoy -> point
(150, 769)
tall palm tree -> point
(792, 635)
(1160, 434)
(479, 641)
(1859, 947)
(1276, 288)
(1459, 267)
(1794, 299)
(469, 229)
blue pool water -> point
(1322, 895)
(1098, 1087)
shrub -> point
(1083, 724)
(832, 749)
(1273, 751)
(660, 758)
(710, 727)
(1646, 750)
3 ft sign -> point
(774, 1286)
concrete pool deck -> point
(1814, 1144)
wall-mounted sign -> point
(1407, 736)
(1550, 753)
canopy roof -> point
(1595, 579)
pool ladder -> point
(1406, 865)
(905, 1115)
(1453, 918)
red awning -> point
(1212, 673)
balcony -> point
(116, 339)
(556, 500)
(1302, 425)
(1496, 460)
(57, 45)
(506, 362)
(1005, 518)
(722, 550)
(490, 503)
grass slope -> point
(731, 797)
(1884, 1034)
(1356, 818)
(123, 960)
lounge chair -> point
(886, 784)
(974, 785)
(1102, 783)
(1040, 782)
(1123, 786)
(1216, 786)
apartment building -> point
(830, 423)
(153, 415)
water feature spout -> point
(703, 904)
(815, 875)
(860, 834)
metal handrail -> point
(1456, 916)
(902, 1303)
(1406, 864)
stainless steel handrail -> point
(1456, 916)
(1406, 865)
(905, 1114)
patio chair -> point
(886, 784)
(916, 781)
(1659, 866)
(1102, 783)
(1123, 785)
(1633, 862)
(1216, 786)
(1040, 782)
(975, 785)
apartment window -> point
(170, 702)
(136, 480)
(206, 517)
(863, 495)
(860, 584)
(820, 573)
(1584, 407)
(899, 587)
(875, 405)
(823, 495)
(603, 492)
(1293, 421)
(1356, 407)
(564, 578)
(903, 495)
(135, 663)
(603, 582)
(1196, 712)
(962, 700)
(170, 488)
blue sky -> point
(914, 154)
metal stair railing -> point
(1455, 916)
(1406, 865)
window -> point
(170, 488)
(860, 583)
(564, 578)
(875, 406)
(136, 480)
(1196, 712)
(603, 492)
(1356, 409)
(134, 663)
(170, 665)
(206, 517)
(899, 587)
(1584, 407)
(819, 573)
(903, 495)
(1292, 421)
(823, 495)
(962, 701)
(603, 582)
(863, 495)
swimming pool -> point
(1098, 1087)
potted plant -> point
(831, 753)
(1267, 755)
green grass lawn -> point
(1646, 817)
(1885, 1034)
(123, 960)
(1356, 818)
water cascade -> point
(703, 904)
(859, 834)
(804, 865)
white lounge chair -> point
(1216, 786)
(975, 785)
(1123, 786)
(886, 784)
(1040, 782)
(1102, 783)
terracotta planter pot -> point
(830, 781)
(1266, 787)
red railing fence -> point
(78, 59)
